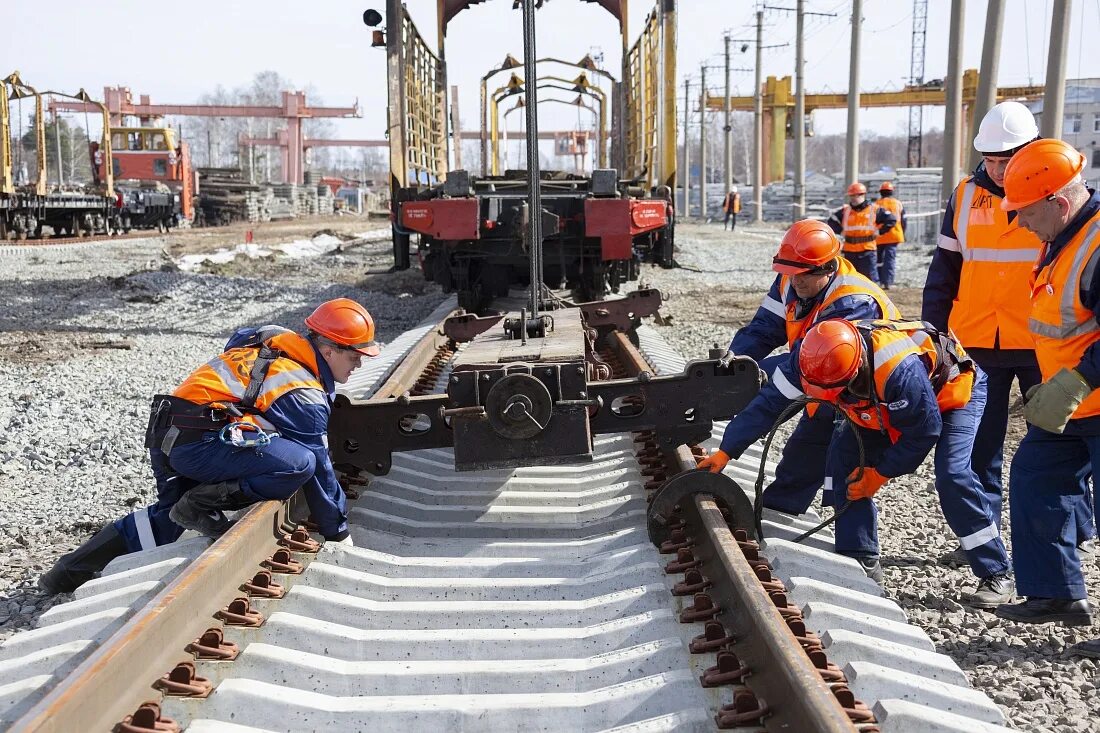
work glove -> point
(1049, 405)
(865, 486)
(346, 541)
(726, 359)
(714, 462)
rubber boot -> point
(201, 508)
(85, 562)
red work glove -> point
(866, 486)
(714, 462)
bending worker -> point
(909, 388)
(1043, 186)
(249, 425)
(886, 245)
(814, 284)
(859, 223)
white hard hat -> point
(1006, 126)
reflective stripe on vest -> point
(847, 281)
(998, 257)
(893, 342)
(225, 378)
(1062, 326)
(893, 235)
(859, 229)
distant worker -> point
(887, 244)
(909, 388)
(859, 224)
(732, 206)
(1043, 185)
(814, 284)
(249, 425)
(978, 284)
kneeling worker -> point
(249, 425)
(814, 284)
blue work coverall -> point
(801, 470)
(297, 458)
(865, 262)
(1048, 482)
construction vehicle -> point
(597, 230)
(153, 177)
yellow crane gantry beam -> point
(778, 102)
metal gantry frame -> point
(22, 90)
(105, 149)
(7, 184)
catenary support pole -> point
(952, 122)
(1055, 99)
(851, 150)
(758, 125)
(987, 78)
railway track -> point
(523, 599)
(90, 239)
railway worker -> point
(732, 206)
(249, 425)
(1043, 186)
(978, 285)
(909, 388)
(886, 245)
(859, 223)
(814, 283)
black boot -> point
(1045, 610)
(201, 508)
(85, 562)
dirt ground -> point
(208, 239)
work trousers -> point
(274, 471)
(866, 263)
(1048, 487)
(731, 219)
(886, 255)
(960, 492)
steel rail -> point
(117, 677)
(783, 676)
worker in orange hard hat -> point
(908, 387)
(813, 283)
(247, 426)
(859, 223)
(886, 245)
(1043, 185)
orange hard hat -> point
(886, 186)
(347, 323)
(829, 358)
(856, 189)
(1038, 170)
(807, 245)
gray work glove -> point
(1049, 405)
(726, 359)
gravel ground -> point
(1024, 668)
(89, 332)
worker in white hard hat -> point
(979, 285)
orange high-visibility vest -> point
(858, 228)
(225, 378)
(1063, 328)
(893, 235)
(998, 259)
(848, 281)
(949, 368)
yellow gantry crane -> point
(778, 102)
(20, 90)
(7, 185)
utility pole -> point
(851, 151)
(728, 127)
(703, 145)
(987, 79)
(798, 208)
(1054, 100)
(758, 125)
(952, 120)
(687, 148)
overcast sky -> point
(174, 52)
